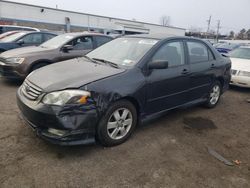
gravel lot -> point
(166, 152)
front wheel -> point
(117, 124)
(214, 95)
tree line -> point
(242, 35)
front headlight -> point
(15, 60)
(66, 97)
(244, 73)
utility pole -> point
(208, 25)
(218, 30)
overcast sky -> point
(234, 14)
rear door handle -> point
(184, 71)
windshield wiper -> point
(107, 62)
(90, 59)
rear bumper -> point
(78, 128)
(240, 81)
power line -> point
(208, 24)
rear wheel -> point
(214, 95)
(117, 124)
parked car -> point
(6, 34)
(19, 63)
(23, 39)
(103, 95)
(6, 28)
(240, 66)
(225, 48)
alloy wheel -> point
(119, 123)
(215, 94)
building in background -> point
(12, 13)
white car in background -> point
(240, 58)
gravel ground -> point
(168, 152)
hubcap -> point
(119, 123)
(215, 95)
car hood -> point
(25, 51)
(240, 64)
(70, 74)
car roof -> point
(162, 36)
(76, 34)
(158, 36)
(18, 26)
(27, 32)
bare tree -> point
(231, 35)
(241, 34)
(165, 20)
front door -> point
(168, 88)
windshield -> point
(13, 37)
(242, 53)
(57, 42)
(123, 51)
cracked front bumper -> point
(78, 124)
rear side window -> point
(199, 52)
(172, 52)
(102, 40)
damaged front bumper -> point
(67, 125)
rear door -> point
(202, 68)
(168, 88)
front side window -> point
(198, 52)
(32, 39)
(173, 52)
(82, 43)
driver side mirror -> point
(20, 42)
(158, 64)
(67, 48)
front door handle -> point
(184, 71)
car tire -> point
(118, 123)
(214, 95)
(38, 66)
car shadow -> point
(240, 89)
(11, 82)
